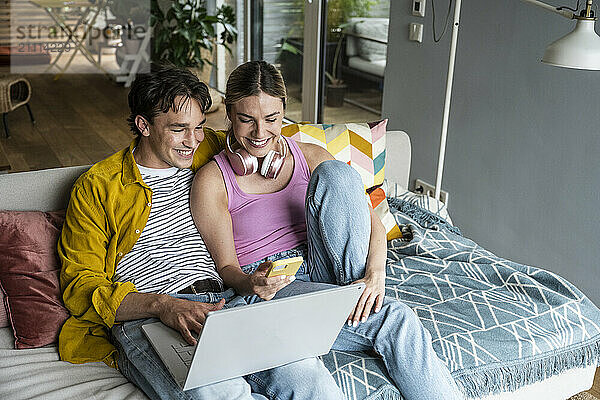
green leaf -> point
(291, 48)
(185, 34)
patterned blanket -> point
(496, 324)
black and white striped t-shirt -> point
(170, 253)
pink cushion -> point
(29, 269)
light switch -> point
(415, 32)
(418, 8)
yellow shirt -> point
(107, 212)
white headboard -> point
(44, 190)
(397, 160)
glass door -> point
(331, 54)
(356, 36)
(276, 29)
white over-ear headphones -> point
(244, 163)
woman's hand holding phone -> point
(264, 286)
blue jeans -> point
(339, 228)
(305, 379)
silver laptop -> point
(247, 339)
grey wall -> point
(522, 163)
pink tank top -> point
(265, 224)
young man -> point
(130, 251)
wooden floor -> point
(595, 390)
(80, 119)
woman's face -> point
(256, 122)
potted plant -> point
(185, 34)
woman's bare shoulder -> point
(314, 154)
(210, 179)
(209, 170)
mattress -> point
(560, 386)
(38, 373)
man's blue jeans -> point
(306, 379)
(339, 228)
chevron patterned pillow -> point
(378, 199)
(360, 145)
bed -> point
(506, 331)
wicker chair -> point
(15, 91)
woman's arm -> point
(372, 297)
(208, 204)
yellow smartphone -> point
(285, 266)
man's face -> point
(172, 138)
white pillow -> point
(422, 200)
(429, 203)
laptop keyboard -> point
(184, 351)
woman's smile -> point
(259, 144)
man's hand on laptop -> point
(264, 287)
(187, 316)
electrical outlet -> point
(415, 32)
(428, 189)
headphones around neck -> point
(244, 163)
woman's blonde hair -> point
(251, 78)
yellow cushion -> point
(361, 145)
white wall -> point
(522, 162)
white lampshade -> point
(579, 49)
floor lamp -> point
(580, 49)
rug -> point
(583, 396)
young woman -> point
(266, 197)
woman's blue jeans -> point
(339, 228)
